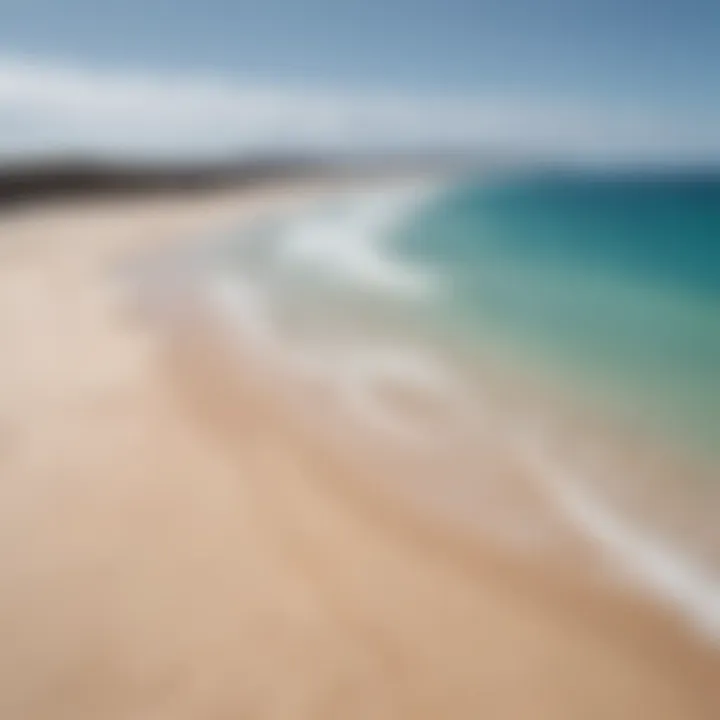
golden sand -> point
(168, 551)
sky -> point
(602, 78)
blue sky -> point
(624, 63)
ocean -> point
(537, 355)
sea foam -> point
(352, 245)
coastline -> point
(203, 557)
(487, 440)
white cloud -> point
(50, 107)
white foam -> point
(646, 559)
(351, 373)
(352, 244)
(358, 372)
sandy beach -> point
(169, 550)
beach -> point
(172, 547)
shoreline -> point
(172, 552)
(672, 587)
(572, 523)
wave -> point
(350, 240)
(356, 374)
(645, 559)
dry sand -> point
(167, 552)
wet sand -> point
(169, 548)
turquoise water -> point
(611, 282)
